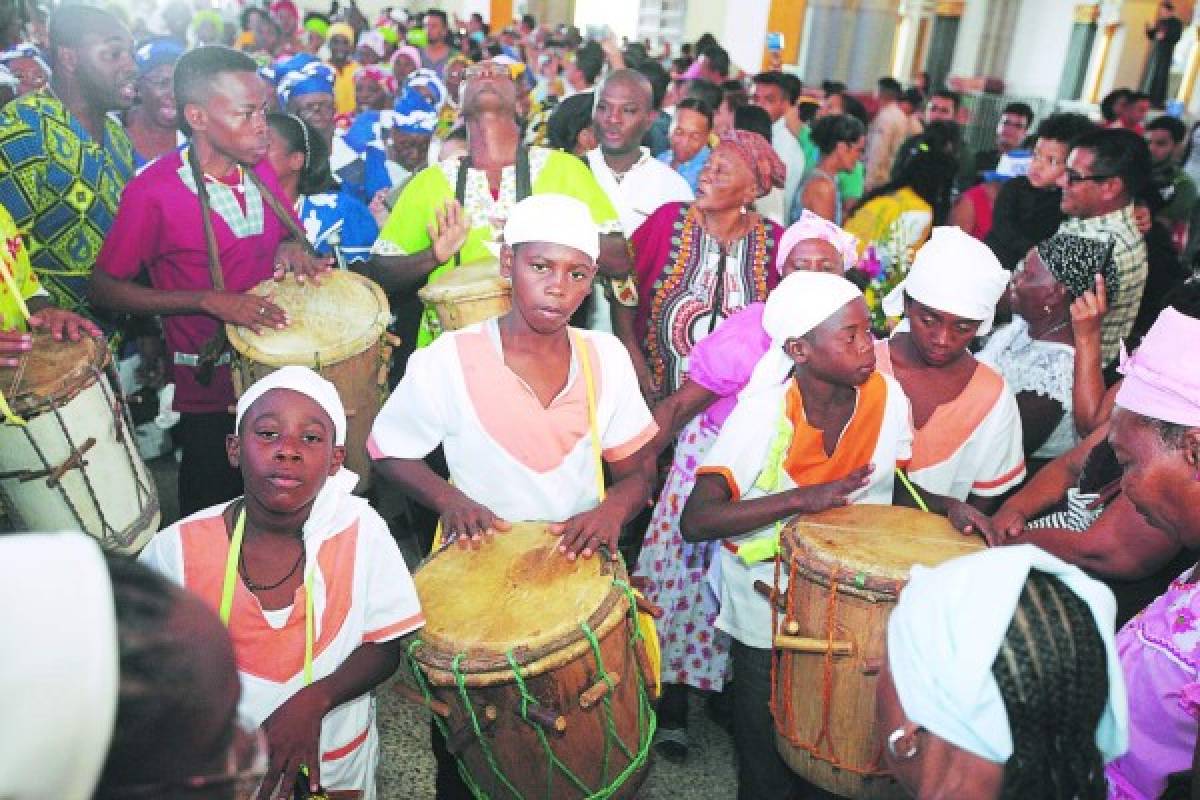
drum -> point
(338, 329)
(844, 569)
(74, 465)
(468, 294)
(536, 669)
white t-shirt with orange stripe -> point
(504, 449)
(971, 445)
(362, 592)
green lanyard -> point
(231, 562)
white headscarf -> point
(801, 302)
(58, 666)
(956, 273)
(553, 218)
(945, 633)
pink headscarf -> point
(758, 154)
(1158, 383)
(385, 79)
(413, 54)
(814, 226)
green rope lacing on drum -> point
(646, 720)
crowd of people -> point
(735, 298)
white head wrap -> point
(59, 668)
(304, 381)
(945, 633)
(801, 302)
(956, 273)
(553, 218)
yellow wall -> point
(786, 17)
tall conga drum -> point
(843, 570)
(338, 329)
(74, 464)
(468, 294)
(536, 668)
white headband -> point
(556, 219)
(304, 381)
(947, 628)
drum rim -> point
(349, 348)
(437, 289)
(32, 401)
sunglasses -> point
(1074, 177)
(487, 69)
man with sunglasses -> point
(1105, 170)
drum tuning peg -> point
(598, 690)
(548, 718)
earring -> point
(744, 210)
(894, 739)
(1046, 310)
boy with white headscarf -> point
(831, 435)
(967, 438)
(312, 644)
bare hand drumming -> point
(245, 309)
(469, 523)
(13, 345)
(448, 231)
(824, 496)
(294, 257)
(64, 325)
(966, 518)
(584, 534)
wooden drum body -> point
(844, 569)
(468, 294)
(337, 329)
(74, 465)
(535, 669)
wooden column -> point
(786, 17)
(501, 14)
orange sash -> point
(806, 461)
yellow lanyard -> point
(10, 283)
(231, 577)
(585, 364)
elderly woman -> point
(1001, 680)
(694, 653)
(1155, 434)
(1036, 352)
(152, 124)
(698, 263)
(374, 89)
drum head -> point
(340, 318)
(53, 372)
(477, 279)
(516, 592)
(873, 547)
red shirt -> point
(158, 230)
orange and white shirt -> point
(362, 592)
(504, 449)
(879, 433)
(972, 445)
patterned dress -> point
(62, 189)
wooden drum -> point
(468, 294)
(337, 329)
(843, 570)
(74, 464)
(535, 668)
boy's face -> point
(1048, 162)
(940, 337)
(1162, 146)
(285, 450)
(234, 119)
(841, 349)
(549, 281)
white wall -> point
(1039, 47)
(970, 37)
(619, 15)
(704, 16)
(745, 33)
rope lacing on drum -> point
(646, 719)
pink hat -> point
(814, 226)
(1159, 383)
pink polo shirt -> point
(158, 230)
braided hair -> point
(1052, 674)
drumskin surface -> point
(504, 645)
(468, 294)
(336, 328)
(843, 569)
(74, 465)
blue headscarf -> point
(155, 52)
(414, 113)
(24, 50)
(301, 74)
(427, 78)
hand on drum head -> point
(293, 738)
(969, 519)
(292, 256)
(14, 344)
(448, 231)
(64, 325)
(1007, 522)
(248, 310)
(824, 496)
(468, 523)
(584, 534)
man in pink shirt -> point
(159, 232)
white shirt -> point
(740, 454)
(649, 184)
(504, 449)
(788, 148)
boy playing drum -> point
(525, 407)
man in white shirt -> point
(887, 132)
(777, 93)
